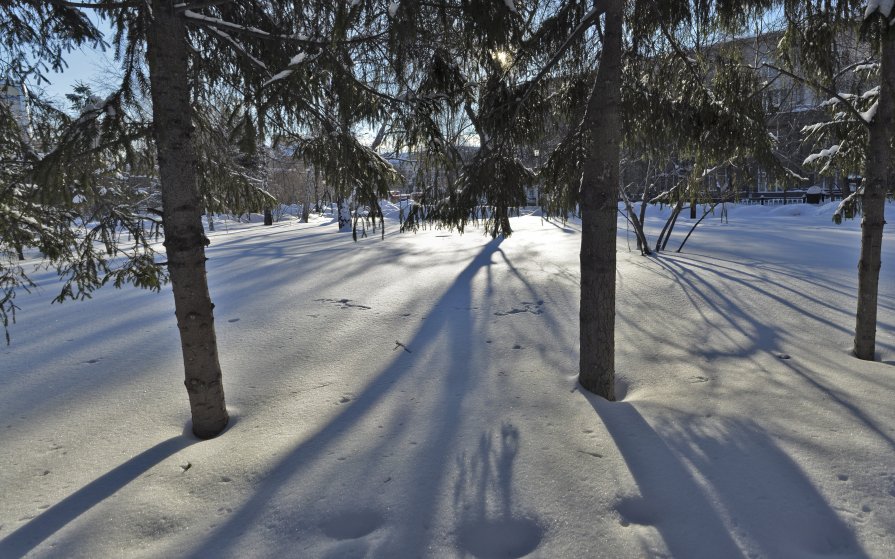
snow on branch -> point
(277, 77)
(238, 46)
(884, 7)
(840, 97)
(822, 154)
(200, 19)
(848, 204)
(294, 61)
(223, 23)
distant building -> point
(790, 106)
(15, 96)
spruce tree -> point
(302, 55)
(862, 123)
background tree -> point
(859, 135)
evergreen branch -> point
(195, 18)
(576, 33)
(99, 5)
(688, 62)
(200, 5)
(831, 92)
(238, 46)
(851, 67)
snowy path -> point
(746, 429)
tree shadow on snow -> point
(422, 466)
(704, 285)
(483, 498)
(38, 529)
(715, 487)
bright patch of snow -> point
(415, 396)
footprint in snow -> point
(529, 307)
(501, 537)
(233, 320)
(352, 525)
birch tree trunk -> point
(167, 56)
(877, 179)
(599, 205)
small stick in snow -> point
(399, 344)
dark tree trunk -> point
(210, 217)
(876, 182)
(167, 55)
(599, 205)
(306, 209)
(268, 217)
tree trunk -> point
(599, 205)
(167, 55)
(268, 217)
(210, 218)
(344, 213)
(876, 182)
(306, 209)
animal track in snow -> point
(352, 525)
(344, 304)
(533, 308)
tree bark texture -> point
(185, 241)
(877, 179)
(599, 204)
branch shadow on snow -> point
(422, 466)
(483, 499)
(715, 487)
(38, 529)
(703, 283)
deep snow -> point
(746, 428)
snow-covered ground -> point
(746, 429)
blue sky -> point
(85, 64)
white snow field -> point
(744, 427)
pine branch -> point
(588, 19)
(195, 18)
(99, 5)
(851, 108)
